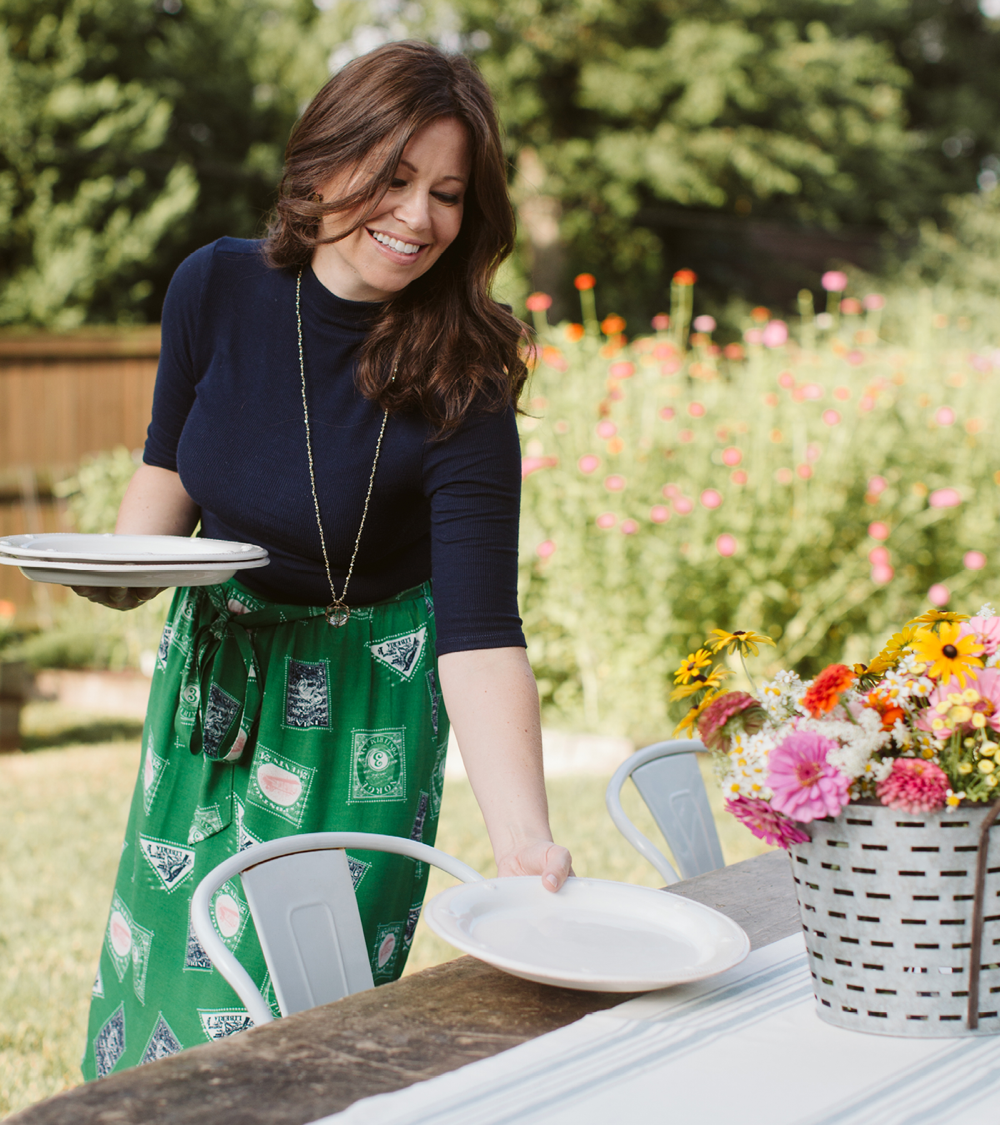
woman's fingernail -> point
(551, 882)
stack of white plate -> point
(128, 560)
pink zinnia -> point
(764, 822)
(914, 786)
(805, 786)
(712, 721)
(986, 630)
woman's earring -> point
(315, 197)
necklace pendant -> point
(337, 614)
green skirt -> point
(264, 721)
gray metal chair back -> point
(669, 781)
(301, 898)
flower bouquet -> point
(870, 776)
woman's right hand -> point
(118, 597)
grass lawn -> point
(62, 815)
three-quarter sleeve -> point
(473, 482)
(176, 373)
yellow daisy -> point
(744, 640)
(701, 682)
(946, 653)
(933, 616)
(687, 723)
(894, 648)
(692, 666)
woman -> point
(344, 396)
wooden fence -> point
(62, 397)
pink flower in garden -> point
(973, 560)
(659, 513)
(629, 527)
(842, 393)
(882, 573)
(621, 370)
(874, 301)
(945, 498)
(805, 786)
(686, 435)
(703, 324)
(696, 410)
(712, 721)
(538, 302)
(831, 417)
(850, 306)
(985, 681)
(726, 545)
(731, 456)
(667, 413)
(866, 403)
(764, 822)
(739, 477)
(914, 786)
(660, 322)
(775, 334)
(588, 463)
(753, 335)
(877, 485)
(814, 451)
(804, 471)
(683, 506)
(545, 549)
(533, 464)
(710, 498)
(606, 520)
(670, 491)
(986, 630)
(614, 483)
(784, 476)
(855, 359)
(939, 594)
(786, 379)
(606, 429)
(945, 416)
(671, 366)
(834, 281)
(812, 391)
(879, 556)
(878, 530)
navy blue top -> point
(227, 416)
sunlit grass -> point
(62, 815)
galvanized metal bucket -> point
(889, 907)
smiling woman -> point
(343, 395)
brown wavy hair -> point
(451, 345)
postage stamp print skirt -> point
(264, 721)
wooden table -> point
(314, 1063)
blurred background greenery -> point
(750, 140)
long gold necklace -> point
(338, 611)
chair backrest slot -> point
(673, 789)
(306, 915)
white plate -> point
(96, 574)
(592, 934)
(70, 547)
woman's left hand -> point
(538, 857)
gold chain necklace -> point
(338, 611)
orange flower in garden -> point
(612, 325)
(685, 277)
(574, 332)
(584, 281)
(760, 315)
(825, 691)
(538, 302)
(887, 707)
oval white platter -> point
(592, 934)
(166, 574)
(69, 547)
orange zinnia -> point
(825, 691)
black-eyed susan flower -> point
(689, 720)
(947, 654)
(740, 640)
(934, 616)
(692, 665)
(702, 681)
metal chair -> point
(301, 897)
(669, 781)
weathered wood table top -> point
(317, 1062)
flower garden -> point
(815, 481)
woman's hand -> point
(538, 857)
(118, 597)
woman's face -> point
(413, 224)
